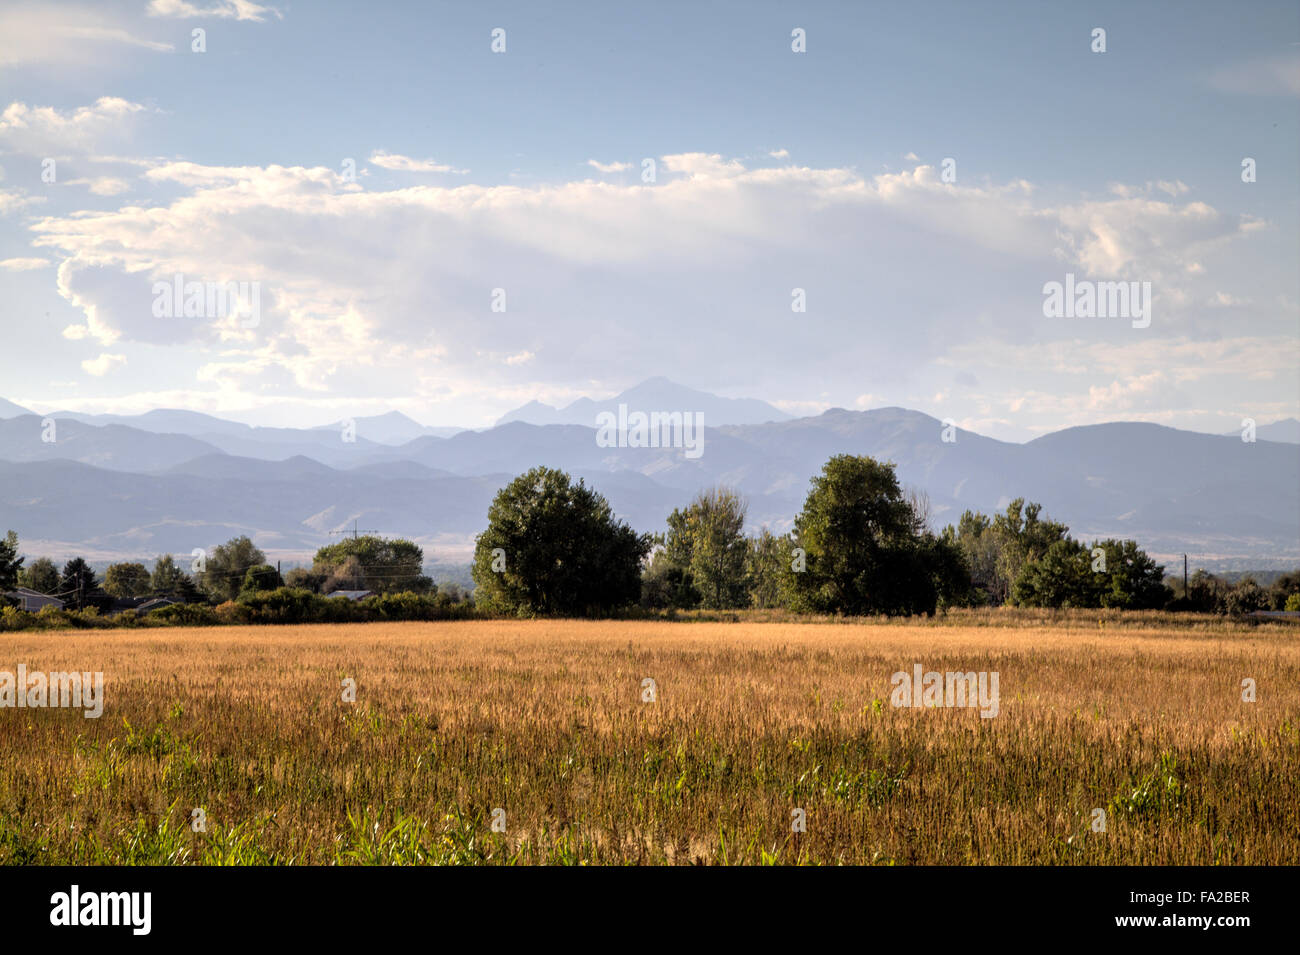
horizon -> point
(238, 416)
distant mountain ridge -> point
(654, 394)
(126, 490)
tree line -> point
(861, 545)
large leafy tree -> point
(227, 565)
(168, 579)
(554, 547)
(1131, 579)
(866, 549)
(1061, 577)
(10, 562)
(706, 540)
(41, 575)
(387, 565)
(127, 580)
(1022, 537)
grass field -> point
(1139, 717)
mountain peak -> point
(654, 394)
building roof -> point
(351, 594)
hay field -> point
(546, 721)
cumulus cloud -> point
(46, 131)
(407, 164)
(103, 364)
(366, 288)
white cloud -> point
(66, 34)
(46, 131)
(23, 265)
(407, 164)
(380, 291)
(780, 154)
(222, 9)
(608, 167)
(103, 364)
(103, 185)
(11, 200)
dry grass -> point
(545, 720)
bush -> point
(1292, 603)
(183, 615)
(11, 618)
(232, 612)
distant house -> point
(351, 594)
(32, 601)
(154, 603)
(119, 604)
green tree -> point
(1128, 578)
(864, 545)
(260, 578)
(166, 577)
(665, 583)
(10, 563)
(768, 570)
(306, 578)
(388, 565)
(41, 575)
(1284, 588)
(227, 565)
(1246, 596)
(1061, 577)
(1021, 537)
(127, 580)
(980, 548)
(554, 547)
(706, 539)
(78, 585)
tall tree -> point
(227, 565)
(10, 562)
(707, 539)
(127, 580)
(78, 586)
(864, 551)
(1022, 536)
(41, 575)
(554, 547)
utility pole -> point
(1184, 576)
(355, 532)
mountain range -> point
(116, 486)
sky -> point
(440, 228)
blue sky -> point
(775, 170)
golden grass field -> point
(545, 719)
